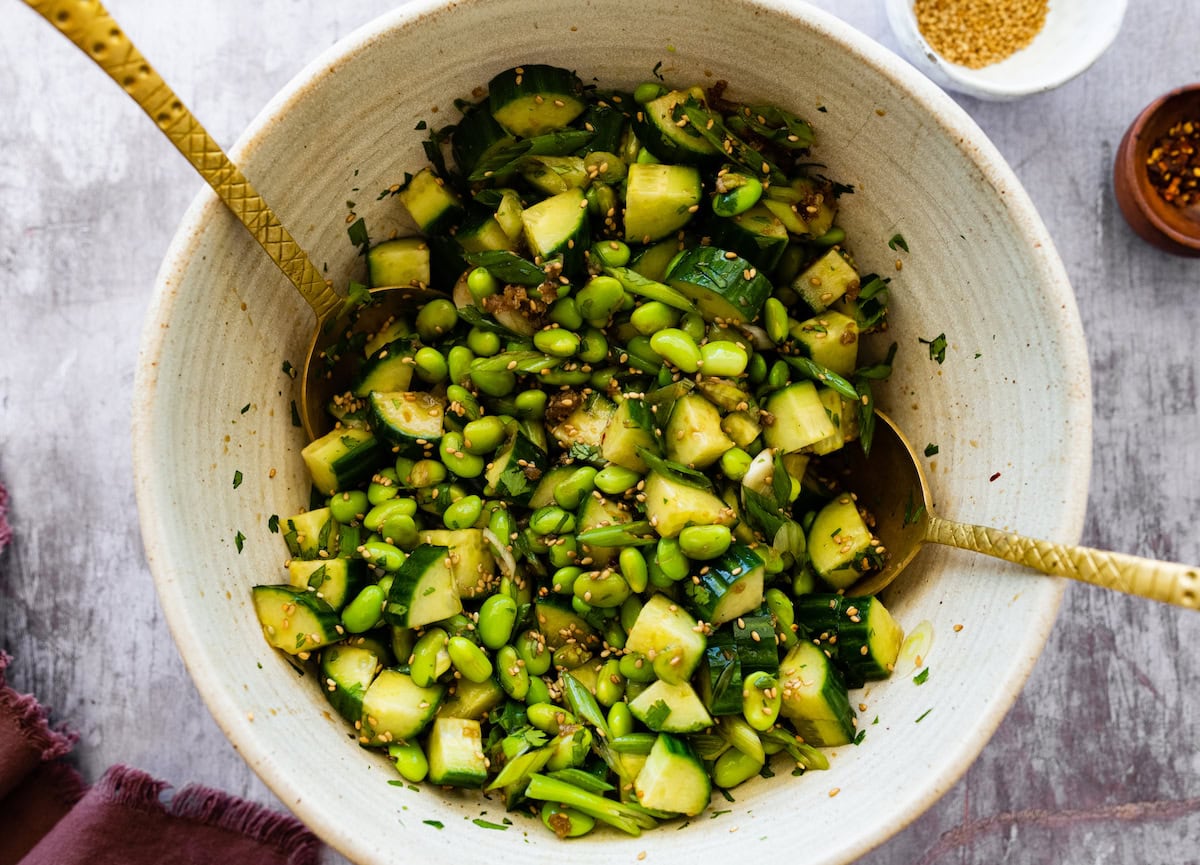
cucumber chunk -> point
(346, 673)
(815, 699)
(830, 339)
(840, 545)
(341, 459)
(729, 587)
(659, 131)
(402, 261)
(673, 778)
(670, 708)
(723, 285)
(335, 581)
(455, 752)
(295, 620)
(669, 636)
(671, 506)
(826, 281)
(423, 590)
(659, 200)
(433, 206)
(411, 421)
(471, 562)
(535, 99)
(799, 418)
(395, 708)
(694, 435)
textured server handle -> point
(1147, 578)
(88, 24)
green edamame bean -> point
(502, 526)
(705, 542)
(640, 355)
(735, 462)
(565, 313)
(556, 341)
(633, 568)
(605, 167)
(539, 691)
(593, 347)
(606, 590)
(736, 193)
(410, 760)
(653, 316)
(804, 582)
(430, 658)
(403, 469)
(456, 458)
(614, 634)
(548, 717)
(757, 369)
(430, 365)
(401, 530)
(620, 719)
(484, 343)
(436, 318)
(365, 611)
(779, 374)
(761, 700)
(484, 435)
(600, 298)
(724, 358)
(648, 91)
(578, 486)
(384, 485)
(427, 473)
(563, 581)
(601, 200)
(610, 684)
(564, 551)
(566, 822)
(530, 404)
(611, 253)
(349, 506)
(458, 363)
(497, 616)
(481, 283)
(383, 555)
(552, 520)
(570, 656)
(636, 668)
(677, 348)
(513, 676)
(775, 320)
(734, 767)
(498, 384)
(570, 749)
(694, 325)
(669, 558)
(384, 511)
(464, 513)
(602, 379)
(629, 612)
(462, 402)
(403, 639)
(614, 480)
(784, 611)
(470, 660)
(533, 651)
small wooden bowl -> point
(1170, 228)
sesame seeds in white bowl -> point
(1004, 49)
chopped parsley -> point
(657, 71)
(898, 242)
(237, 479)
(920, 678)
(657, 714)
(931, 449)
(862, 734)
(288, 369)
(239, 540)
(922, 718)
(436, 824)
(296, 415)
(487, 824)
(273, 524)
(358, 233)
(245, 408)
(937, 347)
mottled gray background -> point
(1097, 763)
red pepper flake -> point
(1174, 164)
(994, 477)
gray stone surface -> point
(1098, 761)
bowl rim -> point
(1131, 162)
(942, 111)
(903, 19)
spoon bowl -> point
(891, 485)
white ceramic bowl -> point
(1011, 398)
(1075, 34)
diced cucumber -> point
(756, 235)
(830, 339)
(673, 778)
(859, 632)
(843, 414)
(652, 261)
(727, 288)
(543, 494)
(815, 698)
(671, 506)
(742, 427)
(388, 370)
(481, 232)
(805, 206)
(595, 512)
(455, 751)
(478, 138)
(434, 207)
(659, 200)
(826, 280)
(729, 587)
(587, 423)
(535, 99)
(390, 332)
(411, 421)
(423, 590)
(840, 545)
(472, 700)
(402, 261)
(558, 226)
(720, 675)
(694, 435)
(669, 636)
(551, 175)
(631, 427)
(559, 624)
(798, 418)
(346, 673)
(518, 466)
(471, 562)
(660, 133)
(754, 642)
(395, 708)
(342, 459)
(508, 214)
(308, 534)
(670, 708)
(295, 620)
(333, 580)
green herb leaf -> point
(296, 415)
(922, 717)
(237, 479)
(487, 824)
(503, 158)
(937, 347)
(862, 734)
(358, 233)
(898, 242)
(675, 471)
(920, 678)
(245, 408)
(238, 540)
(586, 453)
(436, 824)
(273, 524)
(657, 714)
(931, 449)
(507, 266)
(288, 369)
(657, 71)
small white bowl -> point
(1074, 36)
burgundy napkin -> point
(48, 816)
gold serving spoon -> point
(891, 485)
(88, 24)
